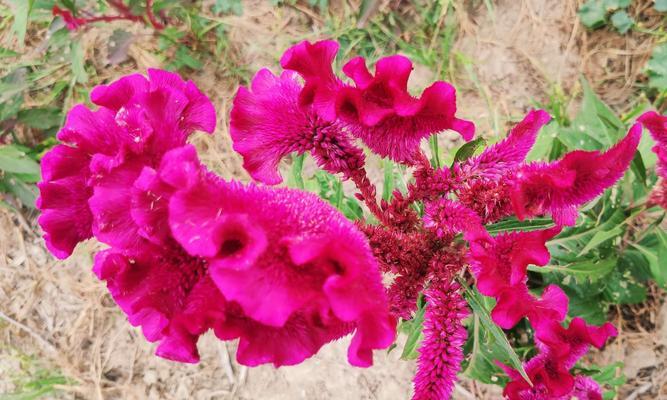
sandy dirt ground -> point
(57, 319)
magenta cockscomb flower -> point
(380, 110)
(501, 261)
(64, 193)
(441, 352)
(657, 126)
(506, 155)
(558, 188)
(281, 243)
(268, 123)
(313, 61)
(559, 350)
(87, 179)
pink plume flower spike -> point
(446, 218)
(284, 244)
(497, 160)
(558, 188)
(441, 352)
(267, 124)
(380, 111)
(137, 121)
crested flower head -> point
(137, 121)
(509, 153)
(281, 243)
(267, 124)
(560, 348)
(378, 108)
(558, 188)
(501, 261)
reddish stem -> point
(151, 17)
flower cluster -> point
(189, 251)
(284, 272)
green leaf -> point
(15, 161)
(26, 193)
(21, 10)
(591, 270)
(616, 4)
(435, 151)
(227, 6)
(40, 117)
(622, 288)
(638, 168)
(660, 5)
(622, 21)
(4, 53)
(296, 178)
(78, 62)
(468, 149)
(501, 346)
(600, 237)
(656, 256)
(388, 186)
(656, 68)
(413, 328)
(512, 224)
(592, 14)
(593, 309)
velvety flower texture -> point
(267, 124)
(441, 352)
(558, 188)
(138, 119)
(279, 115)
(191, 252)
(283, 244)
(657, 126)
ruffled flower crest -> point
(558, 188)
(137, 121)
(187, 247)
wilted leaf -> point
(119, 44)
